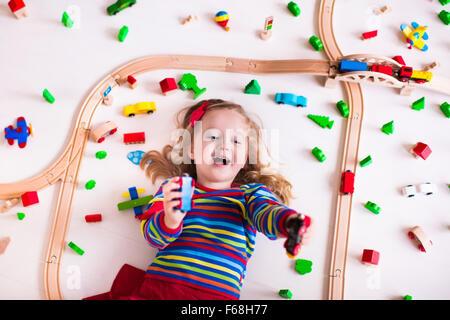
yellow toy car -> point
(138, 108)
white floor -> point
(39, 52)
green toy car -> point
(293, 8)
(372, 207)
(316, 43)
(119, 6)
(343, 108)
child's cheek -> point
(240, 155)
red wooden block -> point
(168, 85)
(370, 256)
(422, 150)
(370, 34)
(400, 60)
(132, 82)
(136, 137)
(93, 217)
(29, 198)
(15, 5)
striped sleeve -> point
(264, 210)
(153, 228)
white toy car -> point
(424, 188)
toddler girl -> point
(203, 253)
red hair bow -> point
(198, 113)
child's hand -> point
(171, 199)
(298, 227)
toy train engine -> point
(407, 73)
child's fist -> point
(297, 227)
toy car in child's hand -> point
(186, 187)
(296, 227)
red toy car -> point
(347, 182)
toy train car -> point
(350, 66)
(382, 69)
(403, 74)
(348, 182)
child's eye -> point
(237, 141)
(213, 137)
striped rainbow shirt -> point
(210, 249)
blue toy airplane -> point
(415, 37)
(21, 133)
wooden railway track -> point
(349, 160)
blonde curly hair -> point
(161, 165)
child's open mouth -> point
(221, 161)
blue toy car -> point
(292, 99)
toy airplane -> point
(21, 133)
(415, 37)
(136, 203)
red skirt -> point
(132, 284)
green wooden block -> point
(75, 248)
(445, 108)
(253, 87)
(316, 43)
(303, 266)
(293, 8)
(101, 155)
(444, 2)
(407, 297)
(388, 128)
(285, 293)
(123, 33)
(419, 104)
(372, 207)
(445, 17)
(90, 184)
(366, 161)
(134, 203)
(343, 108)
(319, 154)
(48, 96)
(322, 121)
(20, 215)
(66, 20)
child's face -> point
(221, 150)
